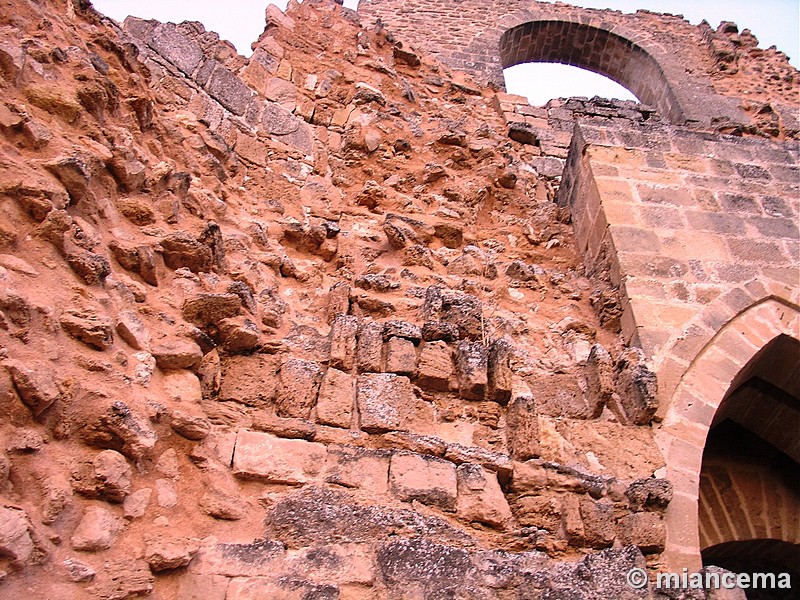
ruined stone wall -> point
(301, 325)
(692, 74)
(310, 324)
(684, 221)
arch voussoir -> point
(693, 404)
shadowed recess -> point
(595, 50)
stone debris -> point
(96, 531)
(108, 476)
(15, 535)
(35, 387)
(165, 553)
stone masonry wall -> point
(303, 325)
(311, 325)
(693, 74)
(684, 220)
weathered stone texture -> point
(268, 458)
(298, 385)
(387, 402)
(428, 480)
(337, 394)
(360, 336)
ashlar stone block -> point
(335, 401)
(472, 360)
(435, 366)
(343, 342)
(428, 480)
(276, 460)
(480, 497)
(401, 356)
(297, 389)
(387, 402)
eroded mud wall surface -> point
(313, 324)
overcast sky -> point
(774, 22)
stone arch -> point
(716, 370)
(466, 35)
(594, 49)
(771, 505)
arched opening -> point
(694, 393)
(595, 50)
(541, 82)
(749, 498)
(758, 556)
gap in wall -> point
(540, 82)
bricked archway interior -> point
(758, 556)
(595, 50)
(749, 504)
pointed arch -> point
(715, 372)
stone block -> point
(522, 423)
(369, 347)
(637, 387)
(115, 425)
(203, 310)
(182, 52)
(472, 360)
(387, 402)
(645, 530)
(542, 512)
(480, 497)
(229, 90)
(337, 392)
(338, 300)
(108, 476)
(337, 564)
(281, 91)
(15, 535)
(401, 356)
(97, 530)
(202, 587)
(599, 529)
(165, 552)
(459, 309)
(402, 329)
(35, 386)
(649, 493)
(250, 380)
(435, 366)
(358, 468)
(599, 380)
(283, 427)
(571, 519)
(94, 330)
(130, 328)
(343, 340)
(289, 588)
(421, 444)
(298, 384)
(275, 460)
(564, 396)
(500, 374)
(439, 330)
(236, 559)
(250, 149)
(428, 480)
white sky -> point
(774, 22)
